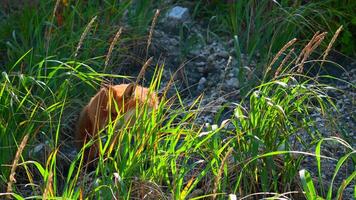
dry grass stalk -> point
(221, 169)
(143, 70)
(83, 36)
(283, 49)
(151, 30)
(306, 47)
(279, 69)
(227, 67)
(111, 48)
(331, 43)
(81, 195)
(49, 186)
(308, 50)
(49, 28)
(55, 9)
(14, 165)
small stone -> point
(157, 34)
(221, 75)
(200, 64)
(220, 64)
(178, 14)
(38, 148)
(232, 51)
(173, 42)
(223, 54)
(214, 127)
(208, 119)
(201, 84)
(211, 58)
(233, 82)
(201, 69)
(231, 42)
(195, 52)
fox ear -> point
(129, 91)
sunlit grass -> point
(165, 154)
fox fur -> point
(114, 101)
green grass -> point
(40, 30)
(165, 154)
(170, 155)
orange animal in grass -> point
(95, 115)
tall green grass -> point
(39, 28)
(33, 103)
(165, 154)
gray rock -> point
(177, 15)
(223, 54)
(202, 83)
(200, 64)
(201, 69)
(232, 52)
(173, 42)
(211, 58)
(208, 119)
(195, 52)
(38, 148)
(233, 82)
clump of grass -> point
(270, 123)
(266, 103)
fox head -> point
(110, 102)
(114, 100)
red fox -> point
(114, 100)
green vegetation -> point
(56, 54)
(261, 28)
